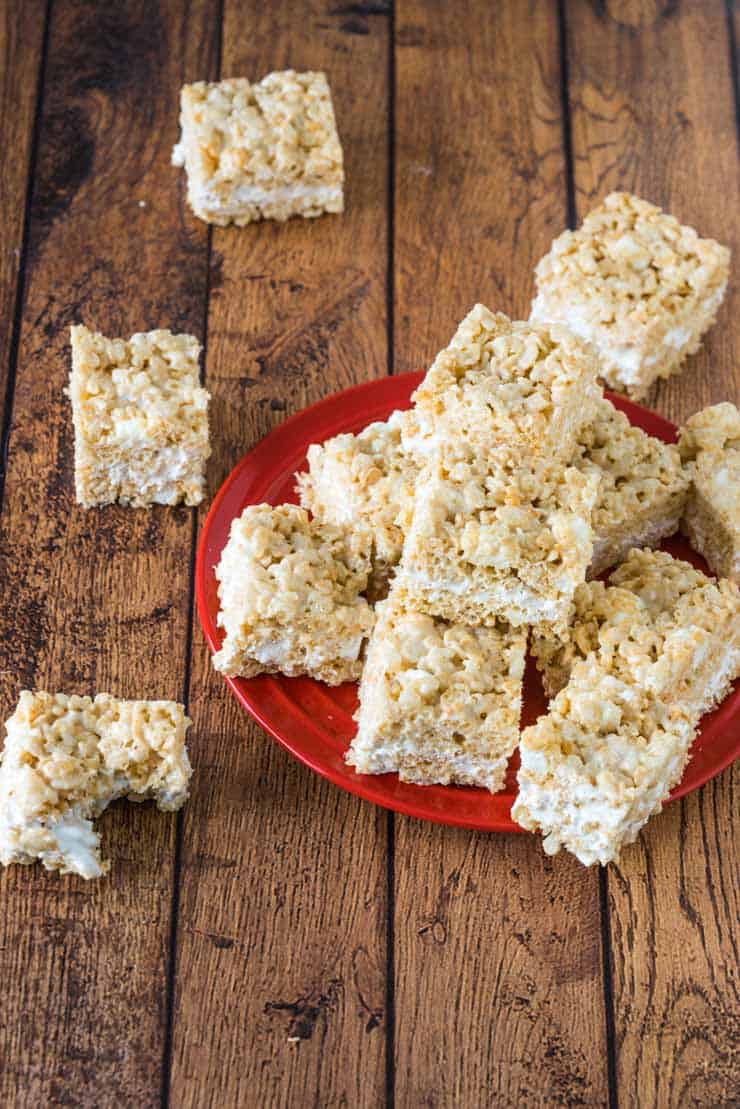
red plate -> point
(314, 721)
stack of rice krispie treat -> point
(496, 537)
(430, 547)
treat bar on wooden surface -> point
(363, 481)
(710, 446)
(268, 150)
(617, 736)
(637, 284)
(642, 488)
(489, 541)
(439, 701)
(291, 597)
(506, 386)
(66, 758)
(140, 419)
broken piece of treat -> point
(140, 419)
(710, 447)
(67, 757)
(268, 150)
(291, 597)
(637, 284)
(439, 700)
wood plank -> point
(22, 26)
(283, 890)
(673, 905)
(499, 996)
(92, 598)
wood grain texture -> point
(498, 952)
(96, 601)
(673, 901)
(282, 924)
(22, 24)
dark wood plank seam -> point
(390, 983)
(20, 292)
(734, 60)
(606, 943)
(570, 187)
(179, 826)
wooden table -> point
(282, 943)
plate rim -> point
(329, 421)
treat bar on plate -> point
(268, 150)
(507, 387)
(140, 419)
(642, 486)
(647, 585)
(710, 447)
(439, 701)
(490, 541)
(616, 738)
(291, 597)
(364, 482)
(65, 760)
(637, 284)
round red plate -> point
(314, 721)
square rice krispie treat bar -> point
(637, 284)
(140, 419)
(439, 701)
(489, 541)
(268, 150)
(507, 386)
(66, 759)
(647, 586)
(710, 447)
(363, 482)
(617, 737)
(642, 486)
(290, 591)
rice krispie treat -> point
(642, 486)
(506, 386)
(268, 150)
(363, 482)
(140, 419)
(710, 446)
(617, 737)
(637, 284)
(66, 759)
(290, 591)
(489, 541)
(647, 586)
(439, 701)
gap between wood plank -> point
(179, 826)
(734, 75)
(606, 945)
(20, 289)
